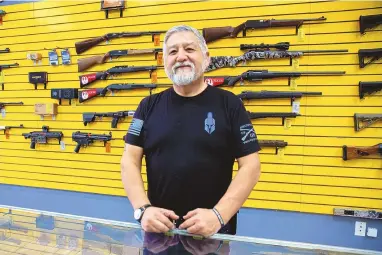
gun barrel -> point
(321, 51)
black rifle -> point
(368, 22)
(2, 104)
(6, 50)
(87, 44)
(6, 128)
(265, 94)
(6, 66)
(90, 78)
(362, 121)
(273, 143)
(368, 88)
(84, 139)
(42, 136)
(283, 115)
(214, 33)
(259, 75)
(373, 54)
(90, 116)
(279, 46)
(85, 95)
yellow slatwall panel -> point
(309, 175)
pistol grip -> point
(77, 149)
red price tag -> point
(7, 134)
(154, 77)
(108, 147)
(160, 58)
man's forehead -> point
(184, 43)
(182, 38)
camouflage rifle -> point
(223, 61)
(362, 121)
(357, 152)
(279, 46)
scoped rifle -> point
(4, 67)
(84, 139)
(223, 61)
(279, 46)
(85, 63)
(273, 143)
(373, 54)
(90, 116)
(2, 104)
(265, 94)
(42, 136)
(90, 78)
(357, 152)
(214, 33)
(87, 44)
(259, 75)
(85, 95)
(368, 88)
(362, 121)
(6, 50)
(262, 115)
(368, 22)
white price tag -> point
(3, 113)
(296, 107)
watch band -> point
(219, 216)
(143, 208)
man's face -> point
(184, 58)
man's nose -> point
(182, 55)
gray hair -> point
(182, 28)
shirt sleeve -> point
(134, 135)
(244, 135)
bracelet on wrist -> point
(219, 216)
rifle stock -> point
(349, 153)
(86, 63)
(87, 44)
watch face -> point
(137, 214)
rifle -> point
(259, 75)
(6, 128)
(374, 54)
(84, 139)
(6, 50)
(265, 94)
(357, 152)
(90, 43)
(42, 137)
(279, 46)
(283, 115)
(214, 33)
(368, 22)
(362, 121)
(90, 78)
(90, 116)
(223, 61)
(6, 66)
(2, 104)
(85, 63)
(368, 88)
(85, 95)
(273, 143)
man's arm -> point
(240, 187)
(131, 164)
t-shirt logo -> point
(135, 127)
(247, 133)
(209, 123)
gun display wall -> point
(311, 86)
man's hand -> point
(158, 220)
(201, 222)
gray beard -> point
(181, 78)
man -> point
(190, 135)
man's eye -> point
(173, 52)
(190, 49)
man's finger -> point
(170, 214)
(153, 229)
(194, 229)
(160, 226)
(188, 223)
(190, 214)
(165, 220)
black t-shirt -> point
(190, 145)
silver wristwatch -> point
(138, 213)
